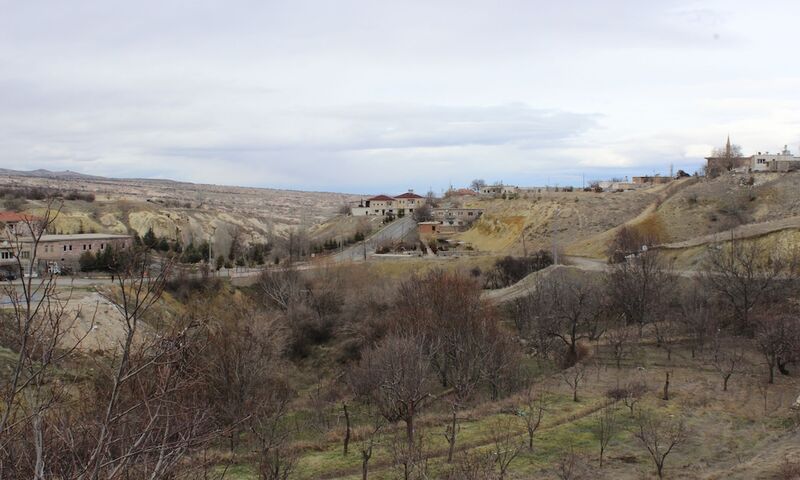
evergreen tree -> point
(163, 245)
(150, 238)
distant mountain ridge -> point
(42, 173)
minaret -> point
(728, 147)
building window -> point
(65, 248)
(90, 246)
(70, 248)
(25, 255)
(102, 246)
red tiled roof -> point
(408, 195)
(11, 217)
(380, 198)
(464, 191)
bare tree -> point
(777, 339)
(532, 412)
(506, 443)
(146, 422)
(472, 465)
(243, 350)
(660, 436)
(468, 358)
(633, 393)
(743, 274)
(569, 311)
(477, 184)
(410, 458)
(618, 338)
(273, 433)
(668, 333)
(525, 312)
(639, 287)
(629, 241)
(369, 441)
(726, 159)
(697, 315)
(281, 289)
(574, 377)
(395, 376)
(570, 466)
(423, 213)
(605, 428)
(728, 358)
(38, 327)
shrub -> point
(509, 270)
(789, 470)
(87, 262)
(14, 204)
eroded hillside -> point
(191, 212)
(583, 223)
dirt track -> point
(749, 230)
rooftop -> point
(408, 195)
(380, 198)
(16, 217)
(83, 236)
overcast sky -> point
(371, 96)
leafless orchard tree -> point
(668, 334)
(506, 443)
(574, 377)
(659, 435)
(468, 359)
(395, 376)
(273, 434)
(472, 465)
(525, 312)
(369, 440)
(606, 427)
(569, 311)
(532, 412)
(743, 274)
(778, 339)
(639, 287)
(242, 359)
(570, 466)
(618, 337)
(633, 393)
(696, 313)
(728, 358)
(410, 458)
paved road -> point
(395, 231)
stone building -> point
(58, 250)
(498, 190)
(383, 205)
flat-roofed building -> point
(69, 248)
(456, 217)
